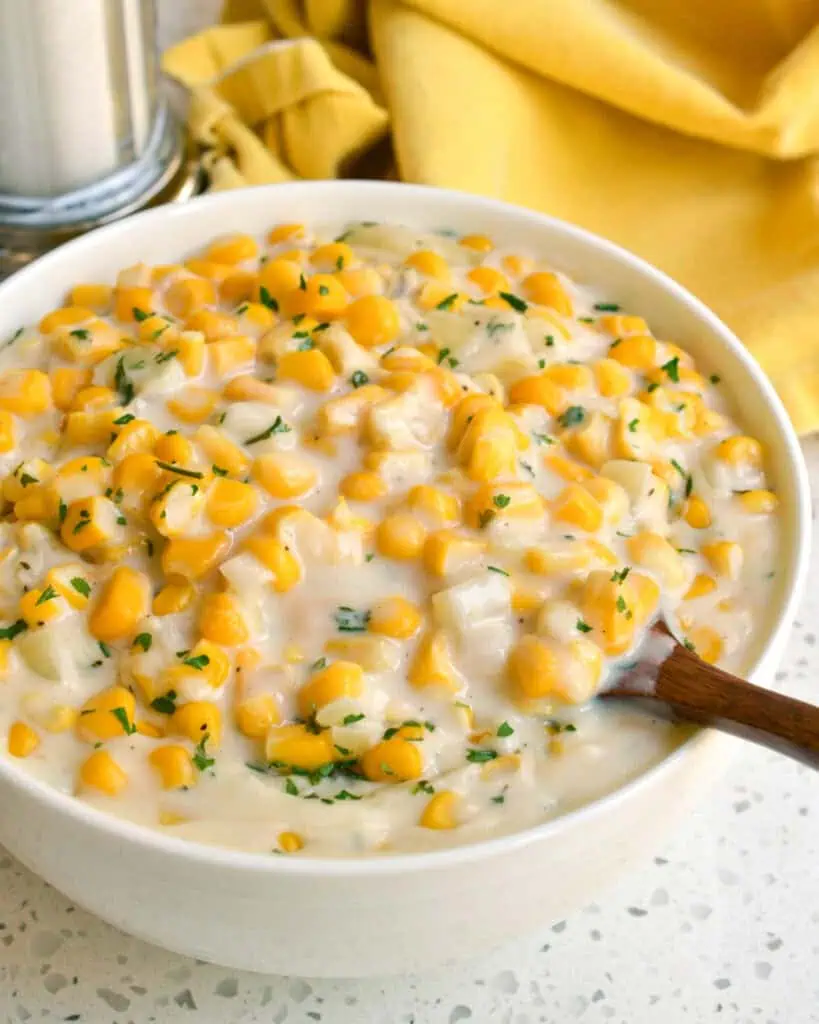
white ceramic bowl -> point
(399, 913)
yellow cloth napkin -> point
(686, 130)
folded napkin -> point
(685, 130)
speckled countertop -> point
(721, 925)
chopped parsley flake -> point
(504, 730)
(715, 378)
(633, 424)
(352, 719)
(501, 500)
(620, 575)
(140, 314)
(359, 379)
(200, 756)
(266, 299)
(447, 302)
(80, 333)
(514, 301)
(171, 468)
(47, 595)
(543, 438)
(122, 717)
(574, 415)
(495, 568)
(81, 586)
(583, 627)
(606, 307)
(480, 756)
(672, 369)
(219, 471)
(166, 704)
(124, 419)
(351, 620)
(15, 629)
(199, 662)
(143, 640)
(278, 426)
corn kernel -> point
(363, 486)
(725, 558)
(373, 320)
(275, 556)
(439, 812)
(696, 513)
(432, 665)
(198, 720)
(740, 451)
(221, 620)
(311, 368)
(334, 254)
(230, 502)
(174, 765)
(26, 393)
(393, 760)
(255, 715)
(295, 746)
(290, 842)
(759, 502)
(538, 390)
(341, 679)
(22, 740)
(107, 715)
(285, 474)
(100, 771)
(396, 617)
(400, 535)
(194, 557)
(701, 585)
(545, 289)
(429, 263)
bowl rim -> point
(156, 842)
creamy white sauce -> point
(535, 758)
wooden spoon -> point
(670, 680)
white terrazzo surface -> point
(721, 925)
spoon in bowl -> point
(670, 680)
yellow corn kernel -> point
(613, 380)
(176, 449)
(396, 617)
(232, 249)
(311, 368)
(128, 299)
(22, 740)
(91, 397)
(194, 557)
(278, 278)
(696, 513)
(198, 720)
(230, 502)
(66, 383)
(138, 474)
(26, 393)
(574, 505)
(238, 286)
(40, 605)
(89, 428)
(739, 451)
(221, 450)
(205, 661)
(89, 523)
(323, 297)
(91, 296)
(285, 233)
(545, 289)
(341, 679)
(39, 504)
(68, 316)
(144, 728)
(373, 320)
(332, 254)
(290, 842)
(107, 715)
(429, 263)
(345, 414)
(525, 601)
(246, 388)
(439, 295)
(446, 552)
(591, 441)
(488, 449)
(125, 599)
(433, 504)
(213, 271)
(136, 436)
(439, 812)
(655, 553)
(567, 469)
(255, 715)
(229, 354)
(174, 765)
(507, 500)
(362, 486)
(489, 280)
(295, 746)
(193, 405)
(393, 760)
(611, 497)
(607, 604)
(432, 664)
(100, 771)
(172, 598)
(570, 376)
(533, 668)
(478, 243)
(701, 586)
(637, 352)
(725, 557)
(759, 502)
(516, 265)
(620, 324)
(275, 556)
(189, 293)
(538, 390)
(221, 620)
(191, 353)
(400, 535)
(707, 643)
(284, 474)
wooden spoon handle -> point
(695, 691)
